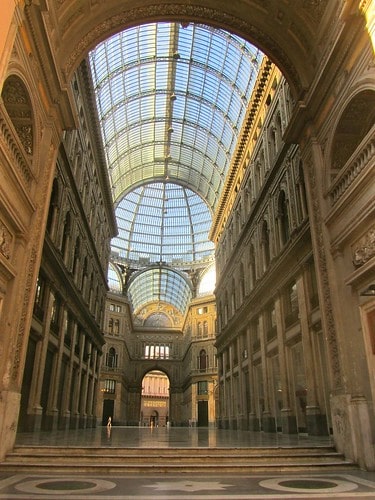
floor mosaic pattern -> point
(344, 486)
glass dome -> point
(163, 223)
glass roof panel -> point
(159, 285)
(162, 82)
(162, 222)
(171, 99)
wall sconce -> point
(369, 292)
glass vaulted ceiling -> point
(171, 99)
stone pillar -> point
(253, 417)
(35, 410)
(194, 405)
(241, 417)
(83, 385)
(52, 410)
(91, 411)
(176, 402)
(268, 421)
(77, 383)
(232, 395)
(65, 411)
(224, 400)
(288, 417)
(316, 422)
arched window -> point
(112, 358)
(205, 329)
(53, 208)
(66, 235)
(252, 266)
(200, 329)
(301, 194)
(76, 257)
(283, 218)
(242, 284)
(265, 246)
(84, 277)
(110, 325)
(234, 297)
(202, 361)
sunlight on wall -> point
(370, 22)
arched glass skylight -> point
(159, 284)
(171, 100)
(162, 222)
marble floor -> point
(345, 484)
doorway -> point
(108, 410)
(202, 413)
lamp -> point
(369, 292)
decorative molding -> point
(364, 249)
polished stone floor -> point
(345, 484)
(146, 437)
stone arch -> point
(155, 388)
(82, 27)
(354, 123)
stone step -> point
(157, 460)
(180, 451)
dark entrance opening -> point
(108, 407)
(202, 413)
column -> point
(35, 409)
(316, 422)
(288, 418)
(52, 410)
(253, 417)
(91, 394)
(232, 394)
(268, 421)
(65, 411)
(242, 417)
(84, 378)
(224, 402)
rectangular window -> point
(202, 310)
(109, 386)
(202, 388)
